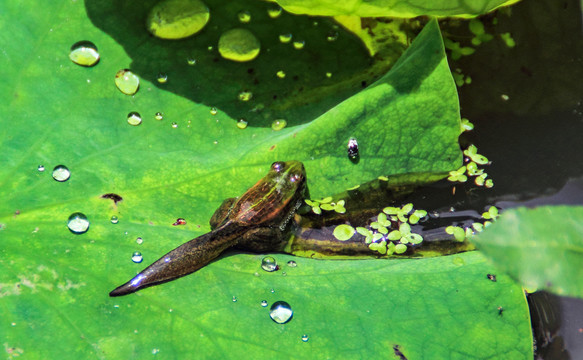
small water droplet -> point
(328, 75)
(298, 45)
(305, 338)
(264, 303)
(273, 291)
(41, 168)
(284, 274)
(174, 125)
(245, 95)
(78, 223)
(257, 274)
(242, 124)
(139, 241)
(281, 74)
(216, 142)
(210, 48)
(332, 35)
(234, 299)
(285, 38)
(292, 263)
(213, 111)
(127, 82)
(244, 16)
(278, 124)
(162, 78)
(280, 312)
(155, 351)
(84, 53)
(269, 264)
(114, 219)
(134, 118)
(191, 61)
(239, 45)
(61, 173)
(137, 257)
(274, 11)
(159, 116)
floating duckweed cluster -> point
(466, 125)
(326, 204)
(471, 169)
(390, 233)
(461, 234)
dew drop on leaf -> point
(177, 19)
(305, 338)
(264, 303)
(78, 223)
(281, 74)
(234, 299)
(137, 257)
(274, 11)
(280, 312)
(292, 263)
(278, 124)
(134, 118)
(213, 111)
(127, 82)
(162, 78)
(61, 173)
(174, 125)
(239, 45)
(139, 241)
(242, 124)
(84, 53)
(285, 38)
(245, 95)
(299, 44)
(41, 168)
(159, 116)
(191, 61)
(244, 16)
(114, 219)
(332, 35)
(269, 264)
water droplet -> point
(159, 116)
(213, 111)
(139, 241)
(127, 82)
(78, 223)
(274, 11)
(245, 95)
(280, 74)
(269, 264)
(134, 118)
(242, 124)
(264, 303)
(299, 44)
(284, 274)
(332, 35)
(305, 338)
(234, 299)
(328, 75)
(244, 16)
(191, 61)
(155, 351)
(285, 38)
(162, 78)
(177, 19)
(84, 53)
(174, 125)
(239, 45)
(280, 312)
(114, 219)
(273, 291)
(137, 257)
(278, 124)
(292, 263)
(61, 173)
(41, 168)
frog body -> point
(257, 221)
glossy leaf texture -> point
(54, 283)
(542, 248)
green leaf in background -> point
(54, 284)
(395, 8)
(542, 248)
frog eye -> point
(277, 166)
(295, 177)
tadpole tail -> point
(181, 261)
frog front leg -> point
(262, 240)
(221, 213)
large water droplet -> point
(299, 44)
(78, 223)
(244, 16)
(84, 53)
(177, 19)
(264, 303)
(242, 124)
(274, 11)
(269, 264)
(285, 38)
(245, 95)
(127, 82)
(239, 45)
(61, 173)
(278, 124)
(134, 118)
(137, 257)
(281, 312)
